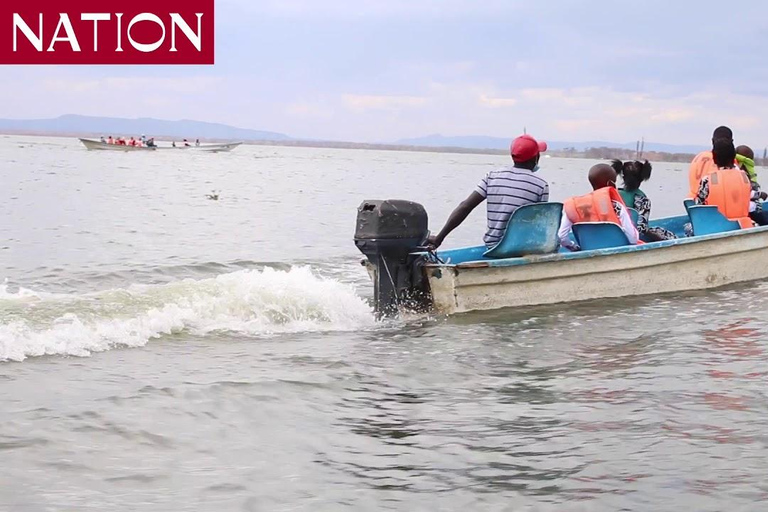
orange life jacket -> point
(702, 165)
(596, 206)
(731, 191)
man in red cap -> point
(506, 190)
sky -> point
(382, 70)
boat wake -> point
(248, 302)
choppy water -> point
(161, 351)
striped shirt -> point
(506, 190)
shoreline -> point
(602, 153)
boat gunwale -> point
(579, 255)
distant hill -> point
(483, 142)
(74, 124)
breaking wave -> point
(247, 302)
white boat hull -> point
(216, 148)
(674, 266)
(95, 145)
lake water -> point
(160, 351)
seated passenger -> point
(745, 159)
(505, 190)
(633, 174)
(110, 140)
(728, 187)
(604, 204)
(703, 164)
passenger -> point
(173, 144)
(143, 139)
(197, 142)
(745, 158)
(186, 144)
(728, 187)
(506, 190)
(103, 140)
(703, 163)
(151, 143)
(604, 204)
(633, 174)
(110, 140)
(132, 142)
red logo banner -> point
(103, 32)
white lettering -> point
(95, 17)
(146, 48)
(71, 39)
(194, 38)
(20, 24)
(119, 17)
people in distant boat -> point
(197, 143)
(132, 142)
(173, 144)
(110, 140)
(505, 190)
(102, 140)
(603, 204)
(121, 141)
(703, 164)
(186, 144)
(729, 188)
(143, 139)
(633, 174)
(151, 143)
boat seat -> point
(599, 235)
(634, 215)
(532, 229)
(688, 203)
(707, 220)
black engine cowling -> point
(388, 233)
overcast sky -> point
(380, 70)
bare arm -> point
(456, 218)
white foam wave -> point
(249, 302)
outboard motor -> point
(388, 232)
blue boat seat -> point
(634, 215)
(708, 220)
(532, 229)
(599, 235)
(688, 203)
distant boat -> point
(96, 145)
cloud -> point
(674, 115)
(487, 101)
(306, 109)
(137, 85)
(363, 102)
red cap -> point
(526, 148)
